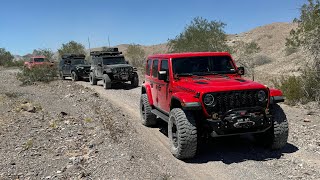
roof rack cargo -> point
(73, 56)
(107, 52)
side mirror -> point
(162, 75)
(241, 70)
(99, 64)
(127, 62)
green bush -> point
(291, 88)
(14, 63)
(311, 85)
(260, 59)
(302, 89)
(37, 74)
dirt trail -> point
(235, 157)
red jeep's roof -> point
(189, 54)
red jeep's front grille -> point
(225, 101)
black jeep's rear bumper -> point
(240, 121)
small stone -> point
(58, 172)
(306, 120)
(28, 107)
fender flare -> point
(187, 101)
(146, 89)
(276, 96)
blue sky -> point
(27, 25)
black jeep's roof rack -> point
(107, 52)
(73, 56)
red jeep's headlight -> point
(208, 100)
(262, 96)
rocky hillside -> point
(271, 39)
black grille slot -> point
(235, 99)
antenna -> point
(109, 40)
(89, 44)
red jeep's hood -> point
(217, 83)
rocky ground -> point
(62, 130)
(66, 130)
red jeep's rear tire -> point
(148, 118)
(182, 132)
(276, 137)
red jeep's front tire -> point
(276, 137)
(148, 118)
(182, 132)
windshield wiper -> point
(185, 74)
(205, 73)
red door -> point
(163, 88)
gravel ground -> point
(83, 131)
(62, 130)
(237, 157)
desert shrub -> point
(136, 55)
(19, 63)
(48, 53)
(37, 74)
(261, 59)
(5, 57)
(291, 88)
(311, 85)
(301, 89)
(200, 35)
(72, 47)
(290, 50)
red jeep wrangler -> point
(37, 61)
(202, 94)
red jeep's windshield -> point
(203, 65)
(40, 60)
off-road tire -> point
(74, 76)
(106, 81)
(92, 79)
(61, 76)
(184, 143)
(147, 117)
(276, 137)
(135, 80)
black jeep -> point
(111, 67)
(74, 66)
